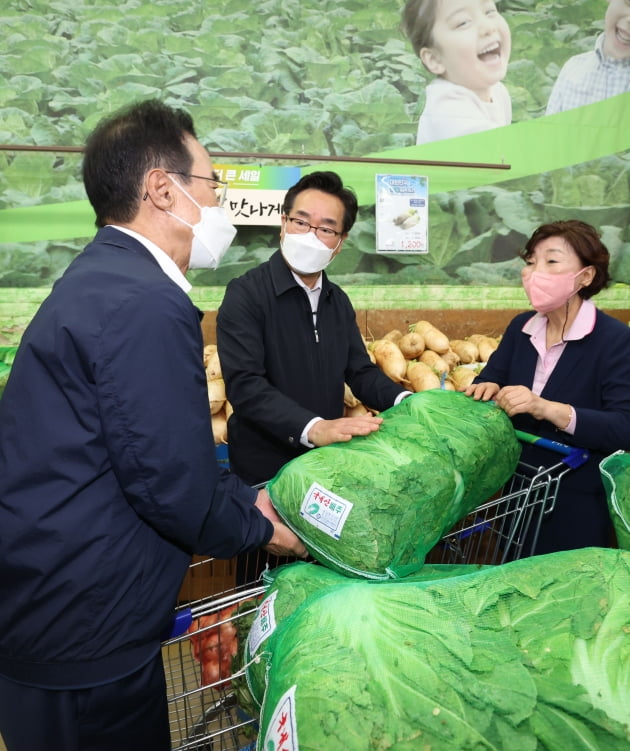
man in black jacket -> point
(288, 341)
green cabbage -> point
(374, 506)
(291, 585)
(534, 654)
(615, 472)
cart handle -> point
(574, 457)
(179, 625)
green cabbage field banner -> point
(332, 84)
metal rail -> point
(254, 156)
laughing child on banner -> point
(466, 44)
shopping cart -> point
(209, 703)
(506, 527)
(210, 708)
(203, 664)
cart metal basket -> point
(506, 527)
(201, 666)
(203, 655)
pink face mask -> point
(549, 292)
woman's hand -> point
(517, 400)
(482, 391)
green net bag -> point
(534, 654)
(288, 588)
(615, 472)
(374, 506)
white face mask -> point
(212, 235)
(306, 254)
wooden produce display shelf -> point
(456, 324)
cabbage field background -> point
(325, 78)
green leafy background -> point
(303, 77)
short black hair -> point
(121, 150)
(327, 182)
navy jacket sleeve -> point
(155, 414)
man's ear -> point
(431, 60)
(158, 188)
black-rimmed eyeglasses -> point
(302, 227)
(220, 187)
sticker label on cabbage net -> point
(325, 510)
(282, 731)
(264, 624)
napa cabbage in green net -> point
(533, 654)
(615, 473)
(374, 506)
(288, 587)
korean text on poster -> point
(255, 194)
(402, 203)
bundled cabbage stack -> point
(374, 507)
(288, 587)
(615, 472)
(534, 654)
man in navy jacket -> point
(108, 477)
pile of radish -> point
(423, 358)
(220, 407)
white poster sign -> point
(402, 204)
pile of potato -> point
(425, 358)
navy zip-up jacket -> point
(281, 370)
(108, 476)
(592, 375)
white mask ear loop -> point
(187, 194)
